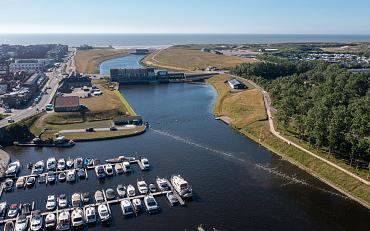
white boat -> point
(90, 215)
(118, 167)
(8, 185)
(77, 218)
(109, 170)
(126, 167)
(69, 163)
(103, 212)
(62, 201)
(64, 222)
(71, 175)
(13, 210)
(38, 168)
(136, 203)
(50, 221)
(61, 164)
(131, 192)
(181, 186)
(51, 202)
(51, 177)
(21, 224)
(152, 188)
(9, 226)
(151, 205)
(76, 200)
(51, 164)
(121, 190)
(119, 159)
(162, 184)
(20, 182)
(145, 162)
(171, 198)
(3, 207)
(78, 163)
(99, 198)
(85, 197)
(99, 171)
(81, 173)
(127, 208)
(142, 187)
(36, 221)
(62, 176)
(13, 169)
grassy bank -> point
(88, 61)
(249, 120)
(125, 103)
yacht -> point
(36, 221)
(118, 159)
(181, 186)
(51, 177)
(171, 198)
(103, 212)
(109, 193)
(3, 207)
(38, 167)
(13, 210)
(81, 173)
(137, 204)
(145, 162)
(131, 192)
(152, 188)
(126, 207)
(85, 197)
(71, 176)
(21, 224)
(88, 162)
(62, 201)
(162, 184)
(78, 163)
(77, 218)
(69, 163)
(142, 187)
(20, 182)
(50, 221)
(99, 171)
(126, 167)
(150, 204)
(76, 200)
(62, 176)
(42, 178)
(119, 168)
(30, 181)
(51, 164)
(109, 170)
(99, 198)
(13, 169)
(64, 222)
(121, 190)
(61, 164)
(51, 202)
(8, 185)
(90, 216)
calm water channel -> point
(238, 184)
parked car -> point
(90, 130)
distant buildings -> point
(67, 104)
(132, 76)
(236, 85)
(29, 65)
(84, 47)
(141, 51)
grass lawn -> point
(3, 116)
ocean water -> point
(145, 40)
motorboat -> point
(99, 171)
(99, 198)
(61, 164)
(20, 182)
(51, 177)
(181, 186)
(13, 210)
(13, 169)
(30, 181)
(8, 185)
(109, 193)
(62, 176)
(145, 163)
(126, 167)
(171, 198)
(36, 221)
(38, 168)
(81, 173)
(69, 163)
(78, 163)
(126, 207)
(88, 162)
(71, 176)
(136, 203)
(64, 222)
(21, 224)
(152, 188)
(109, 170)
(103, 212)
(131, 192)
(41, 179)
(50, 221)
(121, 190)
(62, 201)
(77, 218)
(85, 197)
(51, 164)
(118, 159)
(151, 205)
(9, 226)
(51, 202)
(76, 200)
(142, 187)
(3, 207)
(119, 168)
(90, 215)
(26, 209)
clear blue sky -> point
(186, 16)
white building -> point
(29, 65)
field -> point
(88, 61)
(191, 60)
(251, 122)
(351, 48)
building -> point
(29, 65)
(125, 120)
(235, 84)
(141, 51)
(74, 81)
(67, 104)
(35, 82)
(133, 76)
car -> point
(90, 130)
(10, 121)
(113, 129)
(8, 110)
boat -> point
(69, 163)
(109, 170)
(90, 215)
(99, 171)
(3, 207)
(171, 198)
(152, 188)
(118, 159)
(77, 218)
(51, 177)
(61, 141)
(51, 202)
(13, 210)
(131, 192)
(62, 201)
(63, 222)
(85, 197)
(41, 179)
(76, 200)
(127, 208)
(38, 168)
(78, 163)
(88, 162)
(20, 182)
(109, 193)
(9, 226)
(30, 181)
(145, 163)
(121, 190)
(126, 167)
(151, 205)
(51, 164)
(36, 221)
(136, 203)
(181, 186)
(8, 185)
(62, 176)
(21, 224)
(61, 164)
(103, 212)
(142, 187)
(119, 168)
(81, 173)
(50, 221)
(13, 169)
(71, 177)
(26, 209)
(99, 198)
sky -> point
(186, 16)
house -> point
(29, 65)
(235, 84)
(67, 104)
(74, 81)
(125, 120)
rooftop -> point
(67, 101)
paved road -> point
(97, 129)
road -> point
(119, 128)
